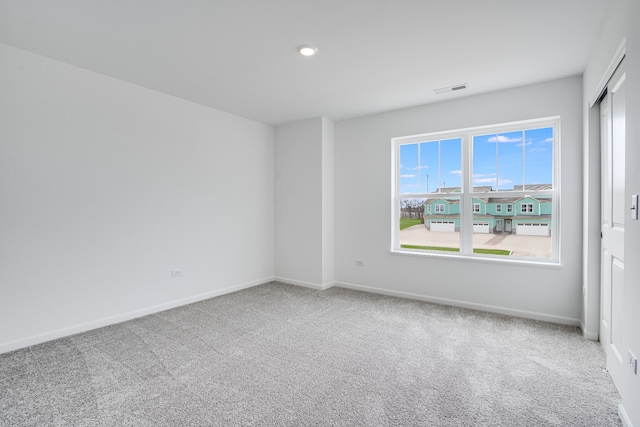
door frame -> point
(612, 283)
(590, 319)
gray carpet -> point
(284, 355)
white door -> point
(612, 115)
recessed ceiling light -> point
(307, 50)
(450, 88)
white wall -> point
(304, 203)
(328, 202)
(105, 187)
(363, 213)
(620, 24)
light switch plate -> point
(633, 362)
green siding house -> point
(500, 215)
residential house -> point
(526, 215)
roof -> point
(478, 189)
(489, 189)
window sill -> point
(518, 262)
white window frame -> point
(498, 208)
(476, 208)
(466, 197)
(439, 208)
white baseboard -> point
(589, 335)
(624, 417)
(83, 327)
(316, 286)
(60, 333)
(465, 304)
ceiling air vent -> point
(451, 88)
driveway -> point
(524, 246)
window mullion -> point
(466, 202)
(524, 161)
(497, 163)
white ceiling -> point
(240, 56)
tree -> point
(412, 208)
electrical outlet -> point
(633, 362)
(359, 263)
(177, 272)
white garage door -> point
(481, 227)
(533, 229)
(443, 226)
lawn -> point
(475, 250)
(409, 222)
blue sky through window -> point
(509, 159)
(502, 161)
(426, 166)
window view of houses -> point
(495, 214)
(511, 194)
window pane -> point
(504, 161)
(431, 166)
(484, 163)
(539, 157)
(429, 162)
(440, 230)
(409, 168)
(510, 154)
(411, 212)
(524, 231)
(450, 165)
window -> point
(526, 208)
(482, 169)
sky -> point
(501, 161)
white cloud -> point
(525, 144)
(415, 168)
(408, 175)
(548, 140)
(456, 172)
(492, 181)
(502, 138)
(536, 149)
